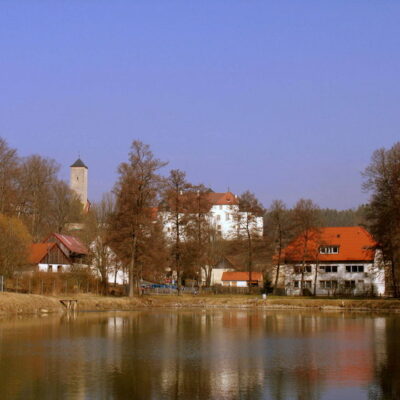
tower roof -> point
(79, 163)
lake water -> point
(195, 354)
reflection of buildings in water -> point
(380, 343)
(218, 354)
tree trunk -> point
(315, 277)
(278, 268)
(132, 268)
(250, 254)
(394, 278)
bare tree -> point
(9, 174)
(14, 245)
(95, 235)
(215, 250)
(306, 225)
(279, 232)
(65, 206)
(136, 193)
(250, 209)
(382, 178)
(199, 229)
(178, 210)
(37, 179)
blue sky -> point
(285, 98)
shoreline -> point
(28, 304)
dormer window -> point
(329, 250)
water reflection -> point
(201, 355)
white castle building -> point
(225, 216)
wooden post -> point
(42, 285)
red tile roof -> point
(222, 198)
(38, 251)
(241, 276)
(73, 244)
(189, 200)
(355, 244)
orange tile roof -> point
(355, 244)
(38, 251)
(241, 276)
(222, 198)
(208, 199)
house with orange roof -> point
(57, 253)
(242, 279)
(48, 257)
(333, 260)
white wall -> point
(373, 276)
(235, 283)
(224, 218)
(46, 267)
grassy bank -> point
(13, 303)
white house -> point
(224, 215)
(338, 260)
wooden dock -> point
(69, 304)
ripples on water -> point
(201, 355)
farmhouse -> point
(57, 253)
(333, 260)
(48, 257)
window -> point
(59, 268)
(349, 284)
(220, 207)
(298, 269)
(354, 268)
(306, 284)
(329, 268)
(328, 284)
(227, 216)
(329, 249)
(49, 268)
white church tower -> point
(79, 181)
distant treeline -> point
(350, 217)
